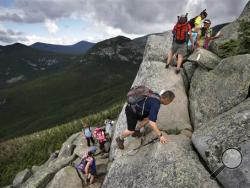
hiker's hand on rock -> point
(163, 139)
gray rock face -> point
(245, 15)
(205, 58)
(154, 75)
(231, 31)
(157, 165)
(228, 130)
(174, 164)
(214, 92)
(66, 177)
(157, 47)
(189, 69)
(22, 177)
(68, 147)
(42, 177)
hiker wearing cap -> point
(205, 35)
(181, 34)
(87, 167)
(143, 105)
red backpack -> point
(181, 29)
(180, 32)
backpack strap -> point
(154, 95)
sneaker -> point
(137, 133)
(177, 71)
(119, 142)
(167, 65)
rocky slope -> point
(218, 91)
(212, 101)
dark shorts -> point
(132, 118)
(179, 48)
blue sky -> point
(70, 21)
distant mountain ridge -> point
(19, 62)
(78, 48)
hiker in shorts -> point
(205, 35)
(86, 131)
(181, 33)
(87, 167)
(145, 111)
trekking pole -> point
(133, 151)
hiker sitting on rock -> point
(205, 35)
(101, 138)
(87, 167)
(181, 33)
(86, 131)
(143, 105)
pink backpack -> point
(99, 135)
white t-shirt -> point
(108, 126)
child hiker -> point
(87, 132)
(101, 138)
(87, 167)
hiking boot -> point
(119, 142)
(167, 65)
(137, 133)
(177, 71)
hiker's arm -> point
(191, 39)
(162, 138)
(198, 40)
(155, 128)
(215, 37)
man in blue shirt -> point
(145, 111)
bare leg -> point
(91, 179)
(170, 57)
(179, 61)
(127, 133)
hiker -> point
(86, 131)
(205, 35)
(181, 33)
(101, 138)
(195, 24)
(144, 108)
(108, 127)
(87, 167)
(191, 48)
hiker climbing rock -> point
(144, 105)
(87, 167)
(205, 35)
(87, 132)
(181, 33)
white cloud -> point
(64, 40)
(109, 18)
(51, 26)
